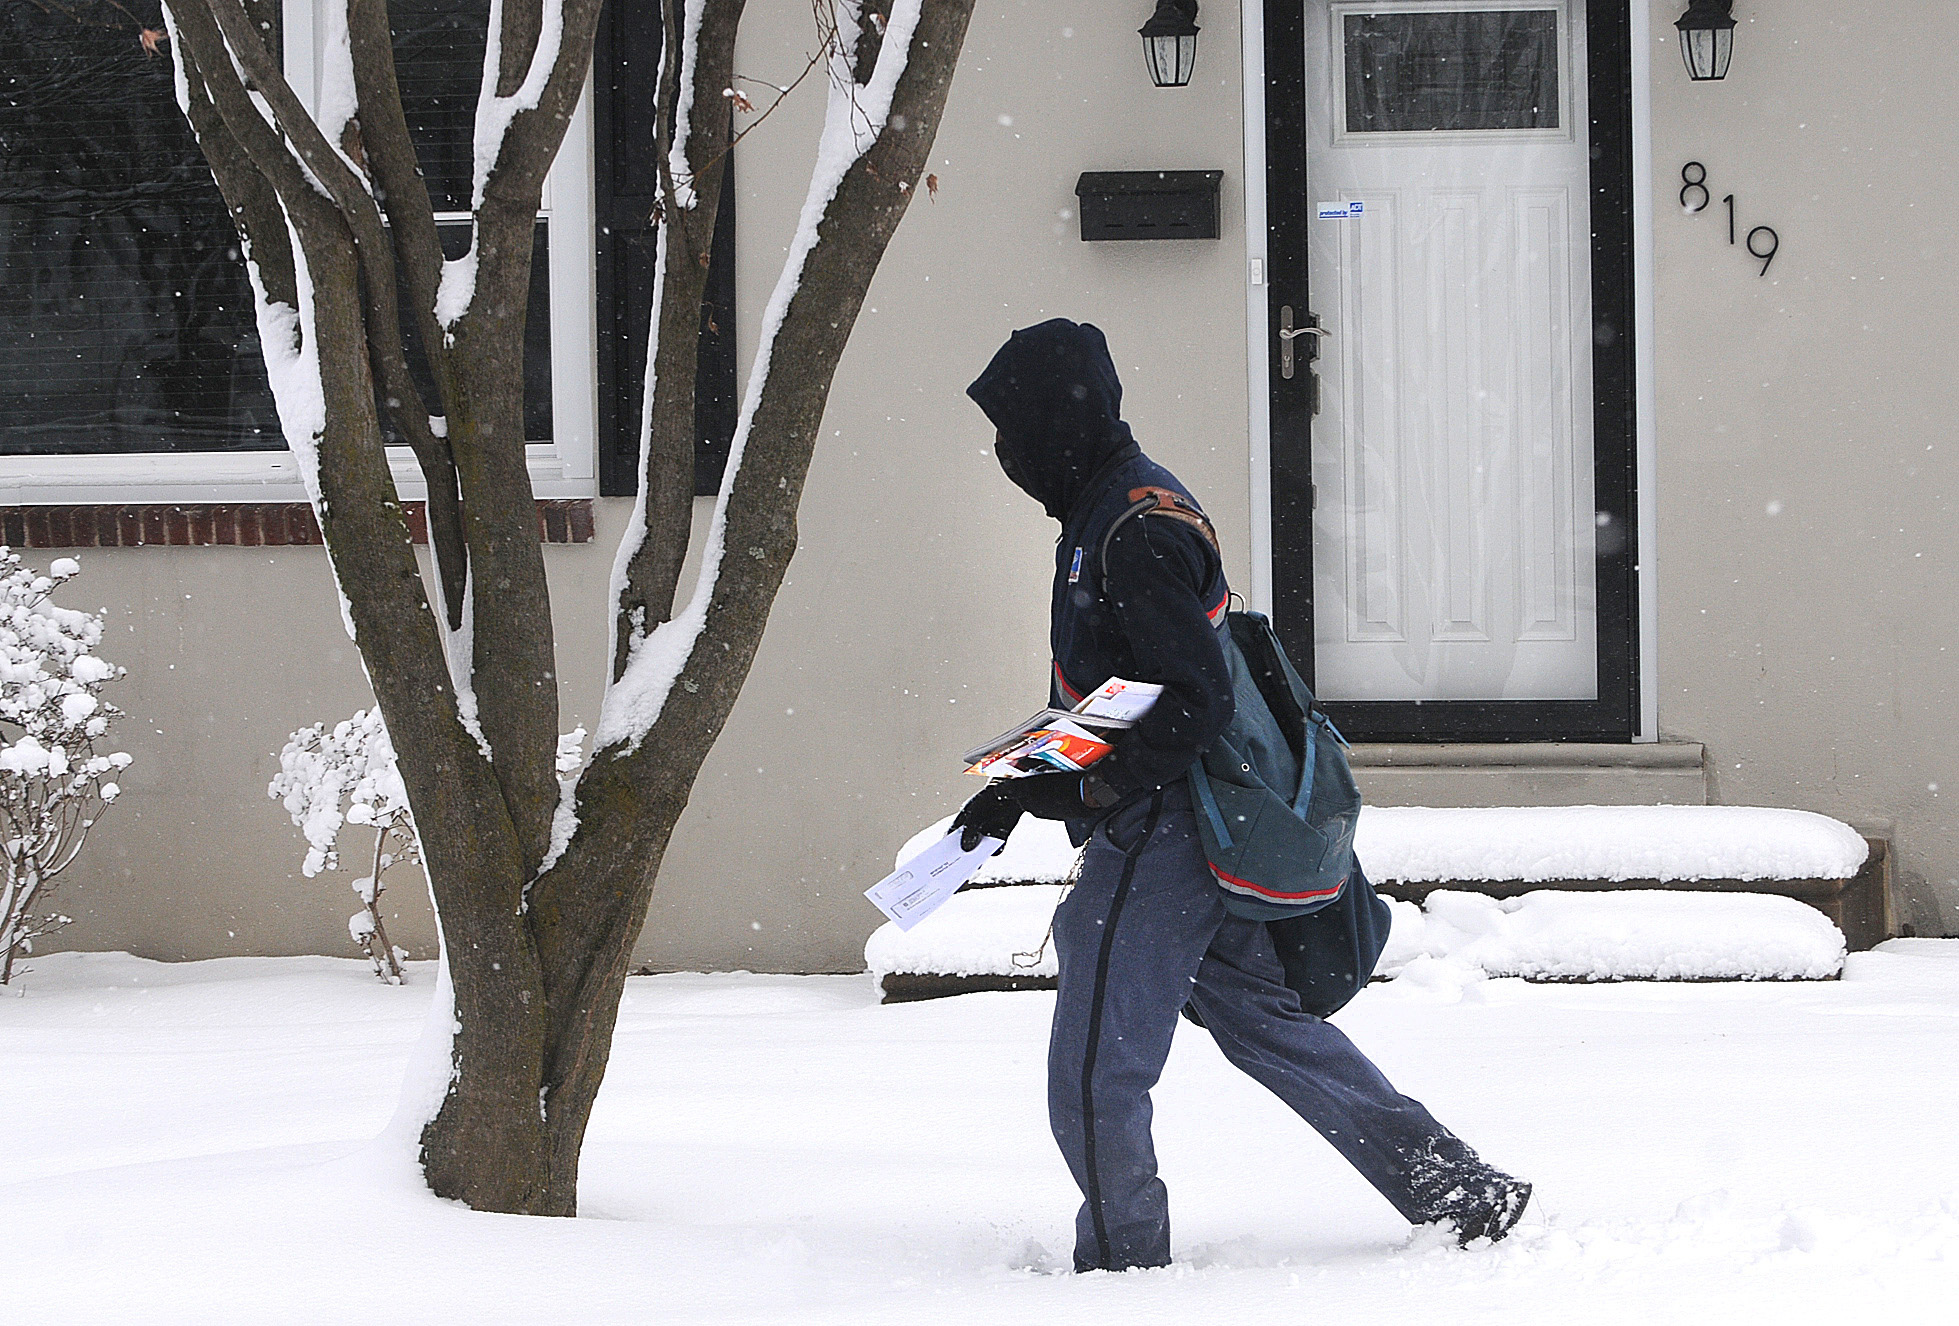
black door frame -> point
(1614, 715)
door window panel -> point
(1430, 71)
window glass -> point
(1437, 70)
(439, 48)
(126, 320)
(537, 334)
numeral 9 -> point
(1774, 243)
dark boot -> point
(1484, 1206)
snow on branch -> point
(682, 172)
(339, 104)
(494, 115)
(853, 120)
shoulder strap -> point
(1154, 501)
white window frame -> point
(564, 467)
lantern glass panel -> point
(1170, 59)
(1707, 52)
(1724, 49)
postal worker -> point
(1139, 592)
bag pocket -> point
(1268, 861)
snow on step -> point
(1618, 935)
(1544, 843)
(979, 932)
(1621, 935)
(1547, 935)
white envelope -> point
(921, 885)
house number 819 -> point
(1761, 242)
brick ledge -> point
(230, 524)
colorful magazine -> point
(1065, 740)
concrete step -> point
(1667, 773)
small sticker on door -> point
(1339, 211)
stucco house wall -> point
(1808, 569)
(1804, 570)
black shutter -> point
(625, 69)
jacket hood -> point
(1053, 394)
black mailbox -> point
(1149, 204)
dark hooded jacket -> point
(1145, 606)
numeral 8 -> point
(1692, 184)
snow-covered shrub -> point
(329, 779)
(353, 766)
(53, 783)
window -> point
(129, 359)
(126, 320)
(1451, 70)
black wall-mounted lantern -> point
(1707, 38)
(1170, 42)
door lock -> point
(1289, 333)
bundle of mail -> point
(1065, 740)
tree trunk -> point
(335, 219)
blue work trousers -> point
(1145, 932)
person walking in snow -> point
(1144, 933)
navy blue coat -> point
(1142, 604)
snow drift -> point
(1626, 935)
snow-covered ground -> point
(187, 1143)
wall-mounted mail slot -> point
(1149, 204)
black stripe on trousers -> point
(1094, 1193)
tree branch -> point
(375, 253)
(628, 801)
(667, 460)
(403, 192)
(404, 196)
(249, 196)
(531, 141)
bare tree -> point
(540, 895)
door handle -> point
(1289, 333)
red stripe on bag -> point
(1247, 886)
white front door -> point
(1449, 259)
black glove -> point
(996, 809)
(1055, 796)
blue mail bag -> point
(1277, 809)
